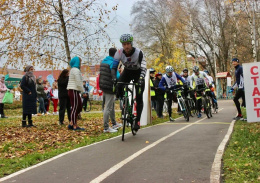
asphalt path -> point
(177, 151)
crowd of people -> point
(70, 92)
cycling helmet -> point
(185, 70)
(126, 38)
(196, 69)
(152, 70)
(169, 68)
(206, 71)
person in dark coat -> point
(159, 95)
(28, 86)
(64, 100)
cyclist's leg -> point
(199, 103)
(169, 103)
(124, 77)
(139, 98)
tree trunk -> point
(63, 26)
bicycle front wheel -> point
(88, 105)
(205, 105)
(185, 111)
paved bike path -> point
(170, 152)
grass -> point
(242, 157)
(24, 147)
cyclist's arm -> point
(180, 78)
(192, 82)
(162, 84)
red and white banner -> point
(252, 90)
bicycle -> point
(129, 102)
(181, 102)
(205, 101)
(191, 105)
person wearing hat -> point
(240, 85)
(159, 93)
(152, 92)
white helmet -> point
(169, 68)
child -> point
(54, 97)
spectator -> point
(3, 89)
(64, 100)
(106, 85)
(159, 95)
(47, 89)
(41, 95)
(54, 97)
(28, 86)
(85, 96)
(75, 88)
(152, 91)
(240, 91)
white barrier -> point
(146, 117)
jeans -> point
(41, 108)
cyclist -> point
(198, 83)
(134, 69)
(167, 83)
(213, 96)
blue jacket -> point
(239, 77)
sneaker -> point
(109, 130)
(137, 126)
(117, 125)
(79, 129)
(199, 115)
(238, 117)
(47, 113)
(42, 114)
(70, 127)
(171, 119)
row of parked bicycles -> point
(186, 103)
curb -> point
(215, 174)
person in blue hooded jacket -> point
(106, 85)
(75, 88)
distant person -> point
(106, 84)
(3, 89)
(152, 91)
(159, 95)
(85, 96)
(41, 95)
(64, 100)
(55, 97)
(47, 89)
(240, 93)
(28, 86)
(75, 88)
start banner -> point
(252, 90)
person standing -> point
(3, 89)
(75, 88)
(64, 100)
(41, 95)
(159, 95)
(85, 96)
(55, 97)
(28, 86)
(106, 85)
(152, 91)
(240, 85)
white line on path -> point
(135, 155)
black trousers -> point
(2, 109)
(240, 93)
(171, 97)
(64, 103)
(159, 105)
(84, 103)
(127, 76)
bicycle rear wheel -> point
(209, 105)
(88, 106)
(185, 111)
(124, 117)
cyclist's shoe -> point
(109, 130)
(171, 119)
(199, 115)
(238, 117)
(117, 125)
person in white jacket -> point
(74, 88)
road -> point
(179, 151)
